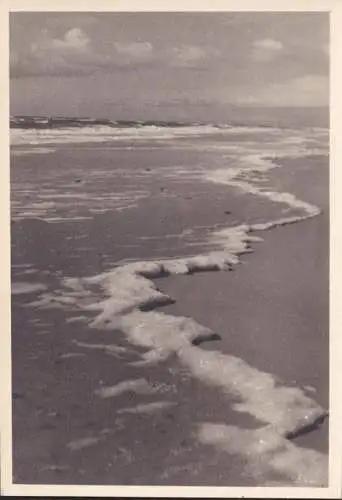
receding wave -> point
(127, 299)
(241, 162)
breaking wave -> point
(93, 134)
(43, 131)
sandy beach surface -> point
(59, 391)
(87, 410)
(263, 310)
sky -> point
(167, 65)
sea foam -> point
(129, 299)
(126, 298)
(266, 453)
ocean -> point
(101, 213)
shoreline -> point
(277, 291)
(265, 312)
(204, 297)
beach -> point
(170, 313)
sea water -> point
(101, 211)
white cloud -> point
(187, 55)
(79, 50)
(70, 54)
(309, 90)
(74, 53)
(134, 50)
(305, 91)
(268, 44)
(266, 50)
(74, 40)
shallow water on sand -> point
(81, 210)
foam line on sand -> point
(126, 299)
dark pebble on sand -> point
(17, 395)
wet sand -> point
(272, 311)
(65, 434)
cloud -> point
(74, 42)
(187, 56)
(308, 90)
(305, 91)
(74, 39)
(74, 53)
(134, 50)
(266, 50)
(268, 44)
(47, 55)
